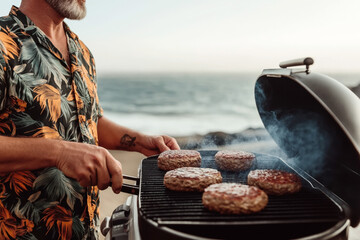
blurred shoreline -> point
(221, 139)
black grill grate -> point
(176, 209)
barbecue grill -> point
(321, 145)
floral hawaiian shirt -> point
(41, 96)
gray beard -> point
(70, 9)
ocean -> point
(183, 104)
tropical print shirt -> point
(41, 96)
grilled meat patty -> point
(275, 182)
(234, 198)
(234, 160)
(173, 159)
(191, 178)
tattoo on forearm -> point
(127, 140)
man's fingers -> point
(103, 178)
(172, 143)
(93, 180)
(160, 143)
(85, 182)
(88, 178)
(115, 170)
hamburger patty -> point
(275, 182)
(191, 178)
(234, 198)
(173, 159)
(234, 160)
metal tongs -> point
(128, 188)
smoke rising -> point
(306, 136)
(297, 123)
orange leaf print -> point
(90, 85)
(92, 204)
(49, 97)
(5, 114)
(62, 218)
(46, 132)
(20, 181)
(79, 102)
(72, 35)
(4, 125)
(93, 130)
(25, 227)
(82, 118)
(85, 77)
(18, 104)
(9, 125)
(70, 97)
(7, 224)
(85, 52)
(57, 54)
(8, 45)
(74, 65)
(13, 11)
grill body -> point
(314, 212)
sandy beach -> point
(130, 163)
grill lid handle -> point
(298, 62)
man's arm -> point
(88, 164)
(114, 136)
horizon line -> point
(152, 72)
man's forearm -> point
(113, 136)
(88, 164)
(17, 154)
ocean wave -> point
(185, 125)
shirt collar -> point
(20, 18)
(25, 22)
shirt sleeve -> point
(2, 81)
(99, 109)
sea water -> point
(182, 104)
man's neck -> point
(49, 21)
(44, 17)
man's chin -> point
(78, 16)
(71, 9)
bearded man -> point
(53, 135)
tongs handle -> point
(128, 188)
(131, 178)
(131, 189)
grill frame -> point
(228, 226)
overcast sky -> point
(218, 35)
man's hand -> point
(151, 145)
(90, 165)
(114, 136)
